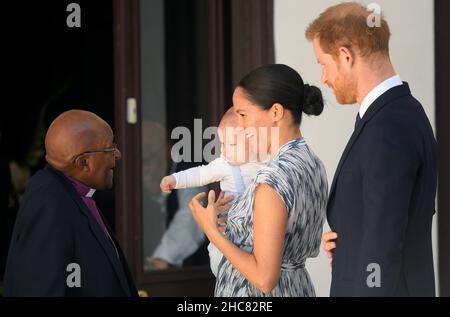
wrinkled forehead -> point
(105, 135)
(94, 136)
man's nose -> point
(324, 78)
(117, 154)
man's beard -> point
(345, 89)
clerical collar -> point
(82, 189)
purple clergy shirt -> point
(86, 194)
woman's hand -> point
(207, 218)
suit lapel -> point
(127, 280)
(101, 237)
(349, 146)
(106, 244)
(378, 104)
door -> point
(176, 63)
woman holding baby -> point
(276, 223)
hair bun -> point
(312, 100)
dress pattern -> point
(299, 177)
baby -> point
(232, 169)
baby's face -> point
(234, 145)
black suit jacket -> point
(382, 202)
(54, 228)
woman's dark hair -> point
(279, 83)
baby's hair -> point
(229, 119)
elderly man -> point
(61, 244)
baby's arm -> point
(201, 175)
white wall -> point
(412, 53)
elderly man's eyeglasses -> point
(112, 149)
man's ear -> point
(82, 163)
(277, 112)
(346, 56)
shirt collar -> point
(82, 189)
(389, 83)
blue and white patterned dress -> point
(299, 177)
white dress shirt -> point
(389, 83)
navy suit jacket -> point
(382, 202)
(53, 229)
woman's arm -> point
(262, 268)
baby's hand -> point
(167, 184)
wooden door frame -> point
(126, 80)
(252, 32)
(129, 181)
(442, 58)
(127, 85)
